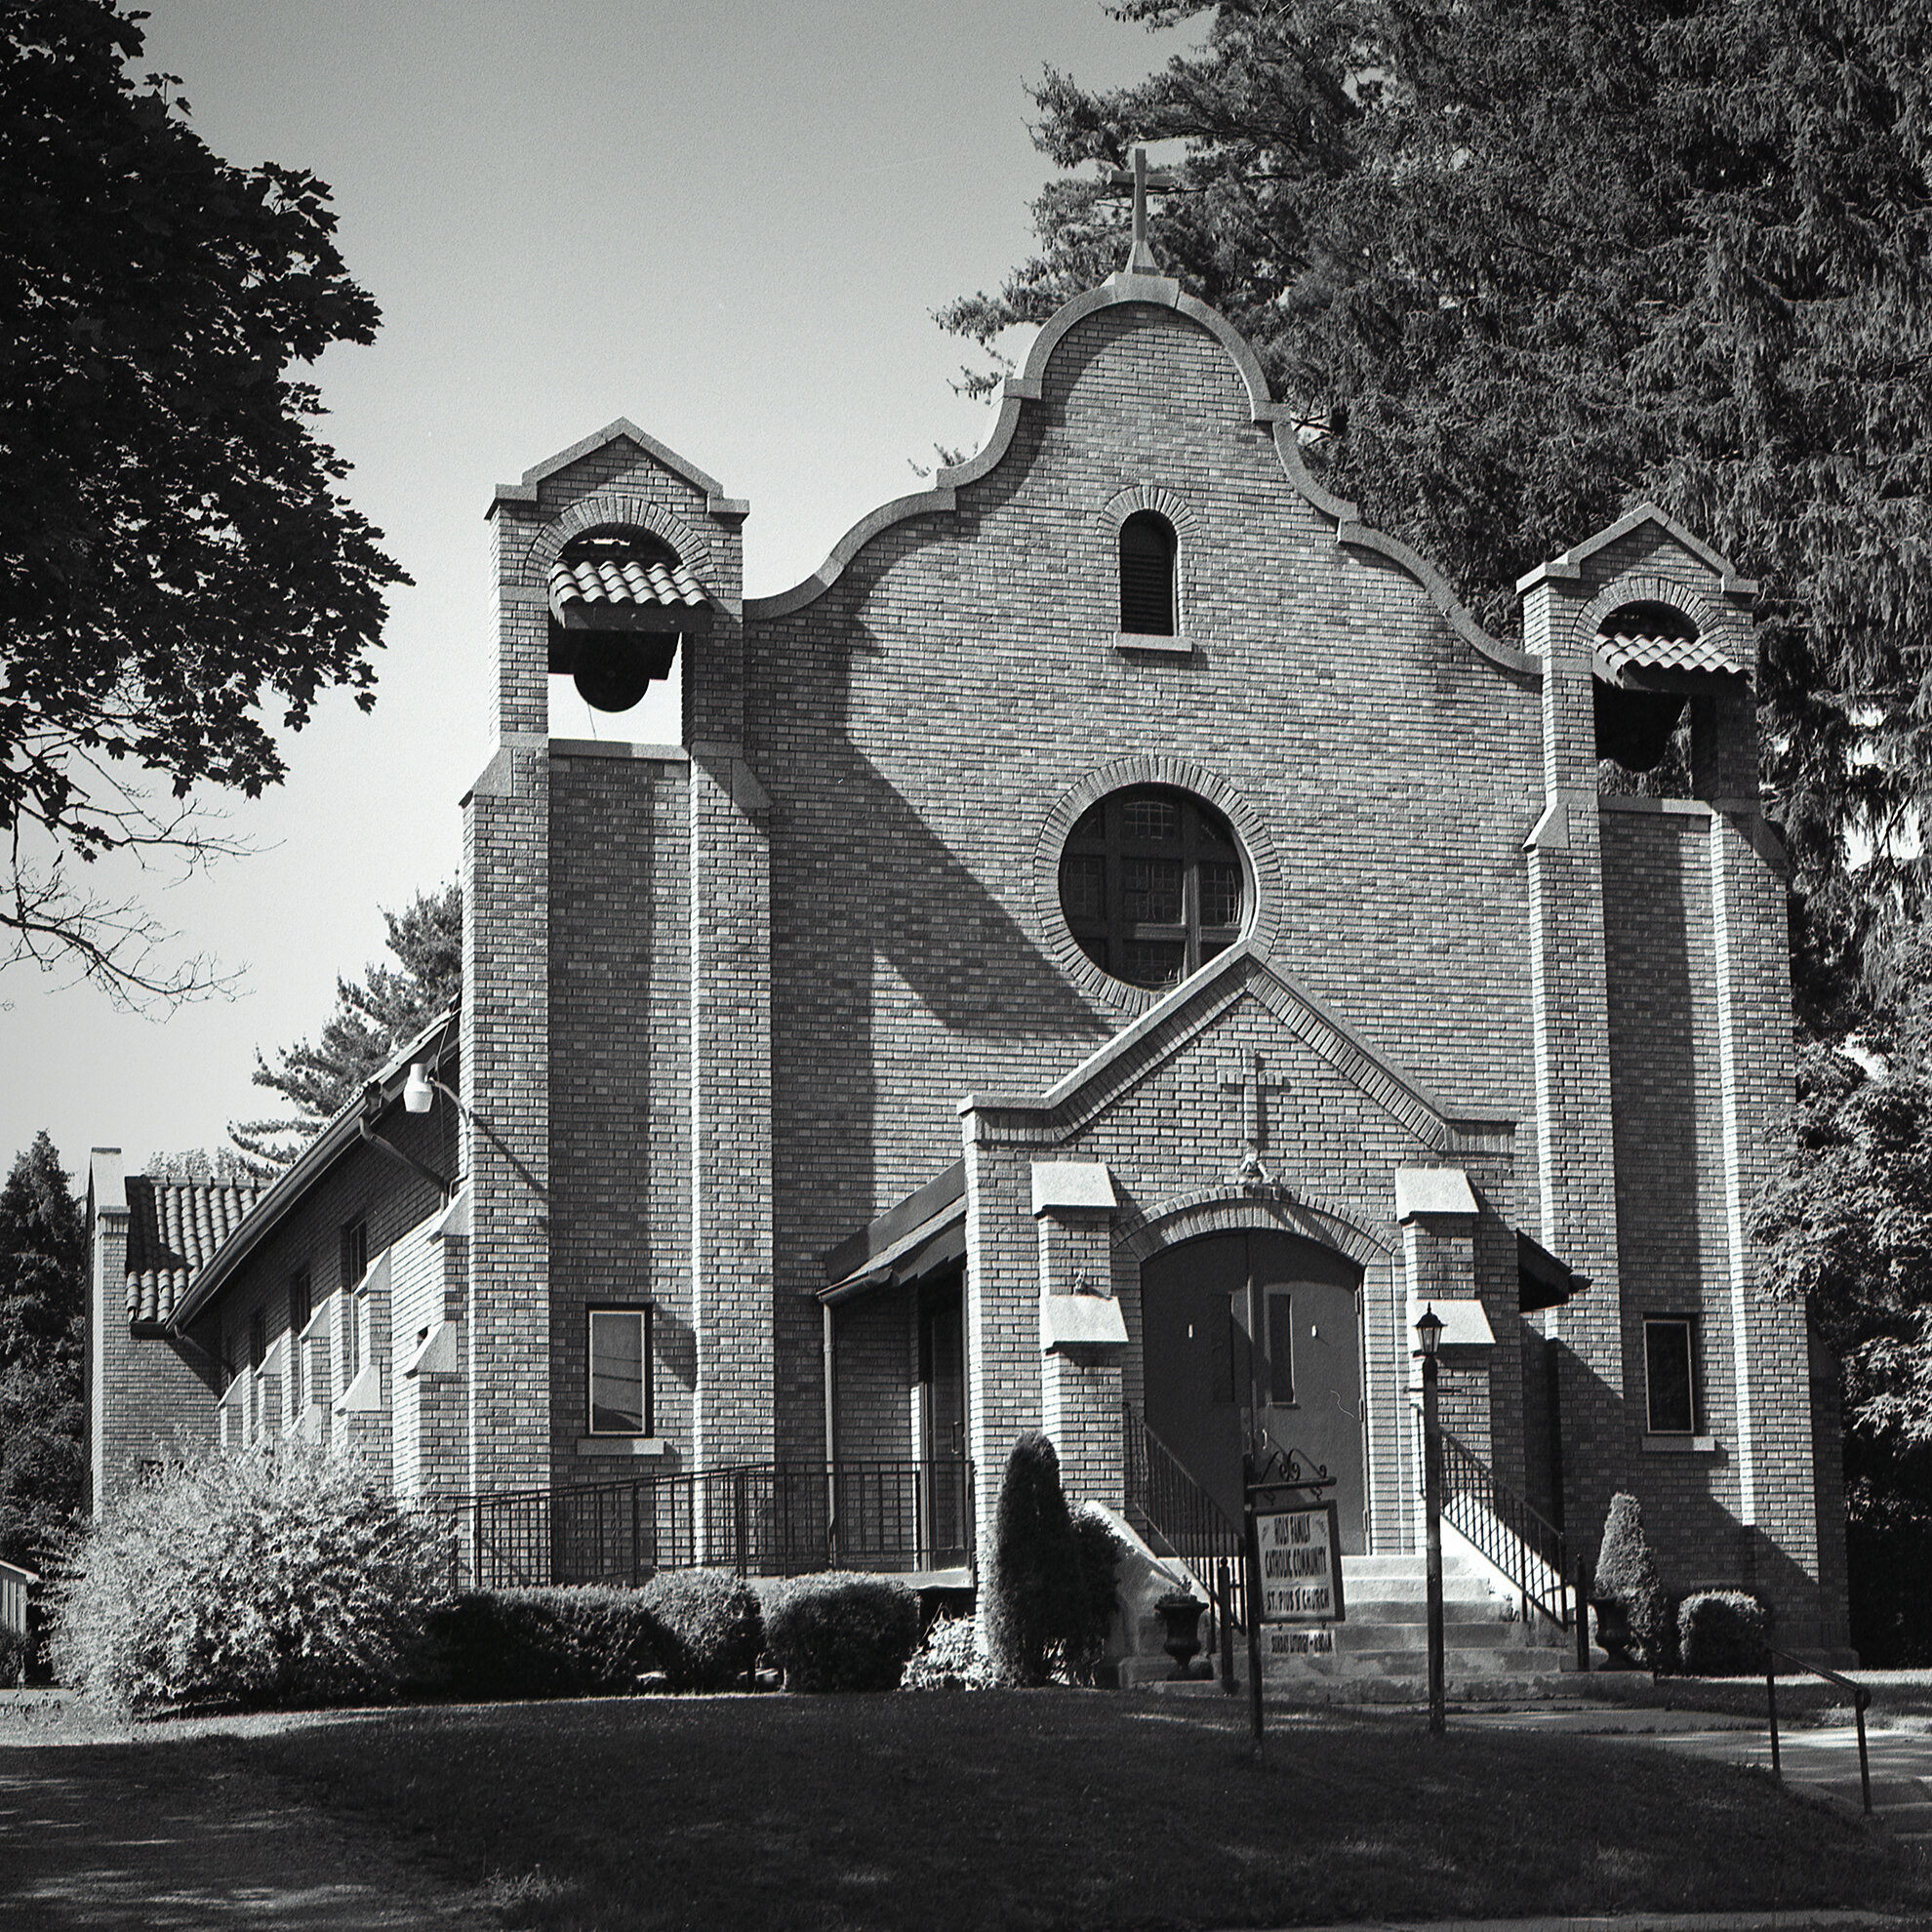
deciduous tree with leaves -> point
(178, 575)
(374, 1015)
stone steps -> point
(1379, 1653)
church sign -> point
(1301, 1564)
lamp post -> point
(1429, 1337)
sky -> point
(729, 221)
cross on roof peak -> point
(1138, 180)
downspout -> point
(832, 1438)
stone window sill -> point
(1680, 1445)
(620, 1445)
(1179, 646)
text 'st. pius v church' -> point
(1118, 890)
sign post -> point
(1294, 1554)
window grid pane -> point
(1156, 821)
(1151, 889)
(1221, 894)
(1155, 962)
(1083, 885)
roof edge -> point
(283, 1194)
(1159, 292)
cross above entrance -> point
(1251, 1082)
(1137, 180)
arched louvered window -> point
(1148, 549)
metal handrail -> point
(1199, 1533)
(1861, 1703)
(760, 1518)
(1507, 1532)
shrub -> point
(841, 1633)
(951, 1658)
(15, 1651)
(1723, 1634)
(534, 1643)
(1627, 1578)
(252, 1578)
(1033, 1605)
(706, 1629)
(1099, 1551)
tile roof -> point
(604, 581)
(1616, 649)
(174, 1229)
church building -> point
(1120, 902)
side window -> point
(619, 1378)
(301, 1305)
(356, 1265)
(257, 1338)
(1147, 550)
(1669, 1375)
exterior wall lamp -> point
(419, 1095)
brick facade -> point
(729, 1004)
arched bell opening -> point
(620, 602)
(1201, 1369)
(1645, 658)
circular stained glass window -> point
(1152, 885)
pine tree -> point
(372, 1018)
(43, 1257)
(1521, 265)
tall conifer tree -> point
(1521, 264)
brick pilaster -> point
(1576, 1159)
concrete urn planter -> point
(1182, 1615)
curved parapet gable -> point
(1162, 292)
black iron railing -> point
(1525, 1547)
(1181, 1519)
(759, 1519)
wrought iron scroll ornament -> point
(1286, 1469)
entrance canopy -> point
(920, 1235)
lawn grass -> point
(1060, 1808)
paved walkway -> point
(1900, 1760)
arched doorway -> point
(1193, 1303)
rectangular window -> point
(300, 1307)
(355, 1254)
(621, 1372)
(1669, 1375)
(1280, 1346)
(257, 1338)
(356, 1265)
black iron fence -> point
(759, 1519)
(1524, 1546)
(1185, 1522)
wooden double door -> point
(1194, 1302)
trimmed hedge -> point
(1099, 1550)
(1626, 1577)
(536, 1643)
(1723, 1634)
(706, 1629)
(837, 1633)
(1032, 1608)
